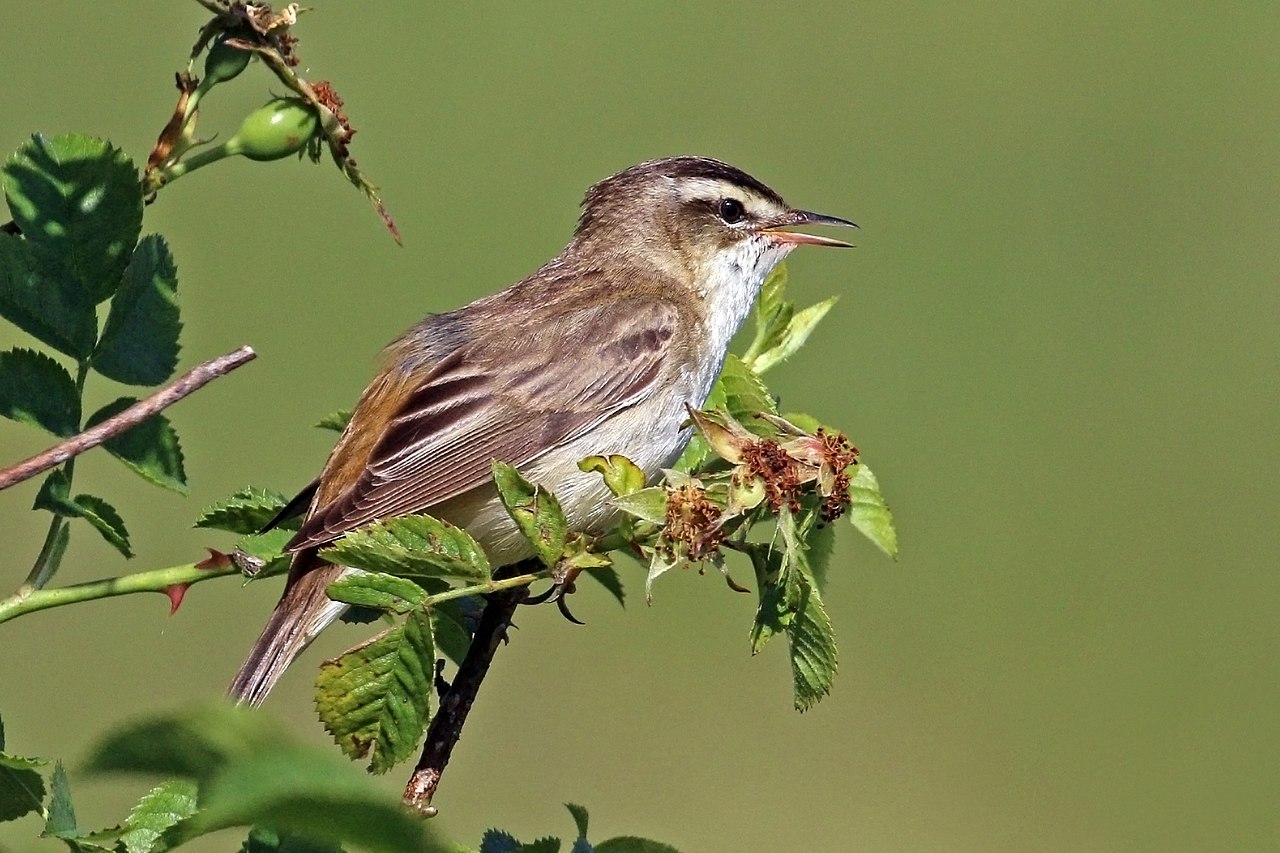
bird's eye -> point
(731, 211)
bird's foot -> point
(563, 586)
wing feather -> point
(510, 395)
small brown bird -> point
(596, 353)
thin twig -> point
(446, 726)
(191, 381)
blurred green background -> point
(1056, 346)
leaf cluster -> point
(75, 245)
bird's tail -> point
(303, 612)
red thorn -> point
(176, 592)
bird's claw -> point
(563, 586)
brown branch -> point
(446, 726)
(194, 379)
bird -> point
(599, 351)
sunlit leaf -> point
(374, 589)
(621, 475)
(79, 204)
(869, 513)
(647, 504)
(793, 335)
(813, 649)
(535, 511)
(159, 809)
(336, 421)
(411, 545)
(247, 511)
(373, 698)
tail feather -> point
(303, 612)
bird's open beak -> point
(804, 217)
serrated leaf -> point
(869, 513)
(150, 449)
(373, 589)
(647, 504)
(139, 344)
(812, 648)
(621, 475)
(542, 845)
(54, 496)
(336, 421)
(247, 511)
(50, 309)
(608, 578)
(79, 204)
(61, 819)
(453, 625)
(535, 511)
(632, 844)
(156, 812)
(411, 545)
(264, 552)
(792, 335)
(21, 787)
(497, 841)
(373, 698)
(580, 818)
(36, 390)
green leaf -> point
(195, 744)
(47, 308)
(647, 504)
(621, 475)
(35, 389)
(373, 698)
(632, 844)
(745, 395)
(265, 552)
(61, 819)
(535, 511)
(373, 589)
(869, 513)
(579, 818)
(813, 649)
(336, 421)
(150, 449)
(160, 809)
(792, 336)
(139, 344)
(542, 845)
(309, 793)
(55, 496)
(265, 839)
(21, 787)
(79, 204)
(608, 578)
(772, 613)
(773, 313)
(411, 545)
(453, 623)
(245, 512)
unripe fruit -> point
(276, 129)
(224, 62)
